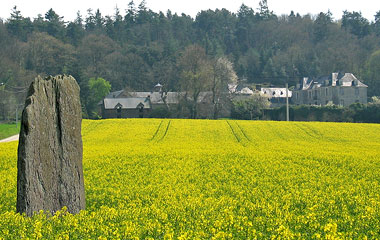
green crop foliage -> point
(213, 179)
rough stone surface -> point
(49, 167)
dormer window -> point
(118, 107)
(140, 107)
(118, 110)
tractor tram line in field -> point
(238, 133)
(306, 130)
(157, 130)
(166, 131)
(309, 130)
(161, 131)
(243, 132)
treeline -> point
(135, 48)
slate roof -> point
(335, 79)
(115, 94)
(126, 103)
(276, 92)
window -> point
(297, 95)
(341, 102)
(327, 91)
(341, 91)
(357, 91)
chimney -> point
(334, 79)
(304, 83)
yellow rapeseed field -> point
(206, 179)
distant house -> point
(276, 96)
(341, 89)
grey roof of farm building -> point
(155, 97)
(171, 97)
(115, 94)
(131, 99)
(126, 103)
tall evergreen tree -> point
(355, 23)
(321, 26)
(18, 25)
(54, 24)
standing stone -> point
(49, 167)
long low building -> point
(125, 104)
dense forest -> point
(136, 47)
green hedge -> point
(355, 113)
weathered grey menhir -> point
(49, 167)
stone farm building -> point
(125, 104)
(133, 107)
(341, 89)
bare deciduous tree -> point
(196, 76)
(223, 74)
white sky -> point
(68, 8)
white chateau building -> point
(341, 89)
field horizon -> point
(186, 179)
